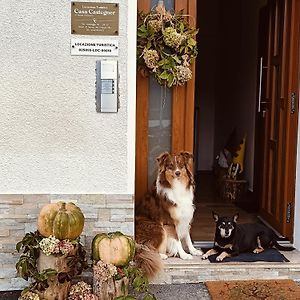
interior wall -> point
(227, 67)
(206, 82)
(245, 95)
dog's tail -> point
(280, 247)
(148, 260)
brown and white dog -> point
(164, 216)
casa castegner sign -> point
(94, 18)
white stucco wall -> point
(51, 138)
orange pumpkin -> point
(62, 220)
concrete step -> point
(177, 270)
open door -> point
(277, 112)
(164, 117)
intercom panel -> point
(107, 86)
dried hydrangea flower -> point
(90, 297)
(29, 296)
(167, 16)
(49, 245)
(172, 38)
(151, 58)
(156, 25)
(81, 290)
(103, 271)
(65, 247)
(185, 62)
(182, 74)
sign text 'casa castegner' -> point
(94, 18)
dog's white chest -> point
(183, 198)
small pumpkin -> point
(62, 220)
(113, 248)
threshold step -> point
(177, 270)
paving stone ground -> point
(162, 292)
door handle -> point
(261, 67)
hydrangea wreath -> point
(166, 46)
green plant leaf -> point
(149, 297)
(142, 28)
(170, 80)
(164, 75)
(191, 42)
(18, 246)
(140, 284)
(176, 58)
(181, 27)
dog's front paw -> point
(163, 256)
(204, 256)
(196, 252)
(186, 256)
(219, 258)
(258, 250)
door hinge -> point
(289, 212)
(293, 103)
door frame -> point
(292, 128)
(185, 124)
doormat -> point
(253, 289)
(270, 255)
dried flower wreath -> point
(166, 46)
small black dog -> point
(232, 238)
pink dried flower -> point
(103, 271)
(65, 247)
(81, 291)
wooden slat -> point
(183, 97)
(178, 100)
(190, 90)
(281, 122)
(178, 117)
(141, 160)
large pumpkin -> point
(63, 220)
(113, 248)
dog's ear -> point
(215, 216)
(188, 161)
(161, 158)
(235, 217)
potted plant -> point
(50, 262)
(114, 270)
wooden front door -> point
(175, 126)
(278, 112)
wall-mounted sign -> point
(96, 47)
(94, 18)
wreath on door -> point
(166, 46)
